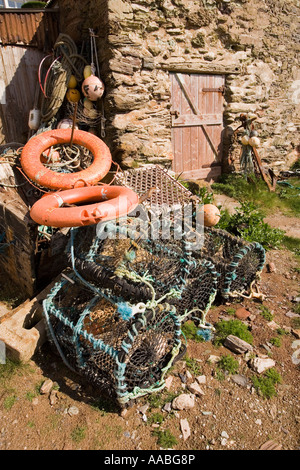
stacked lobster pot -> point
(135, 274)
(116, 315)
(238, 263)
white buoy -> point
(34, 119)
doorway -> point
(197, 124)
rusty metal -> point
(220, 89)
(154, 185)
(31, 28)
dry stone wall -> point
(255, 43)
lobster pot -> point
(237, 262)
(140, 269)
(123, 355)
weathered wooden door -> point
(197, 124)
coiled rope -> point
(66, 62)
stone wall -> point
(255, 43)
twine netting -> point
(116, 314)
(138, 268)
(123, 358)
(238, 263)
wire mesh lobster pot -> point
(124, 358)
(237, 262)
(141, 269)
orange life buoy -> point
(36, 171)
(99, 203)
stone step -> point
(22, 329)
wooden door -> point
(197, 124)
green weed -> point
(189, 331)
(248, 223)
(231, 327)
(292, 244)
(155, 418)
(9, 402)
(30, 396)
(11, 368)
(266, 312)
(276, 342)
(230, 311)
(265, 385)
(281, 332)
(228, 364)
(295, 323)
(159, 399)
(254, 190)
(193, 365)
(78, 434)
(165, 438)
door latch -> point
(175, 113)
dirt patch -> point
(291, 225)
(226, 415)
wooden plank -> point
(201, 68)
(192, 120)
(194, 130)
(263, 175)
(202, 173)
(210, 141)
(198, 124)
(186, 132)
(177, 133)
(195, 109)
(187, 93)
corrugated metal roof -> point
(36, 29)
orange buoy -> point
(36, 171)
(50, 156)
(97, 204)
(211, 215)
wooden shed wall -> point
(25, 37)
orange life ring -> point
(36, 171)
(101, 203)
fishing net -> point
(238, 263)
(123, 358)
(116, 315)
(138, 268)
